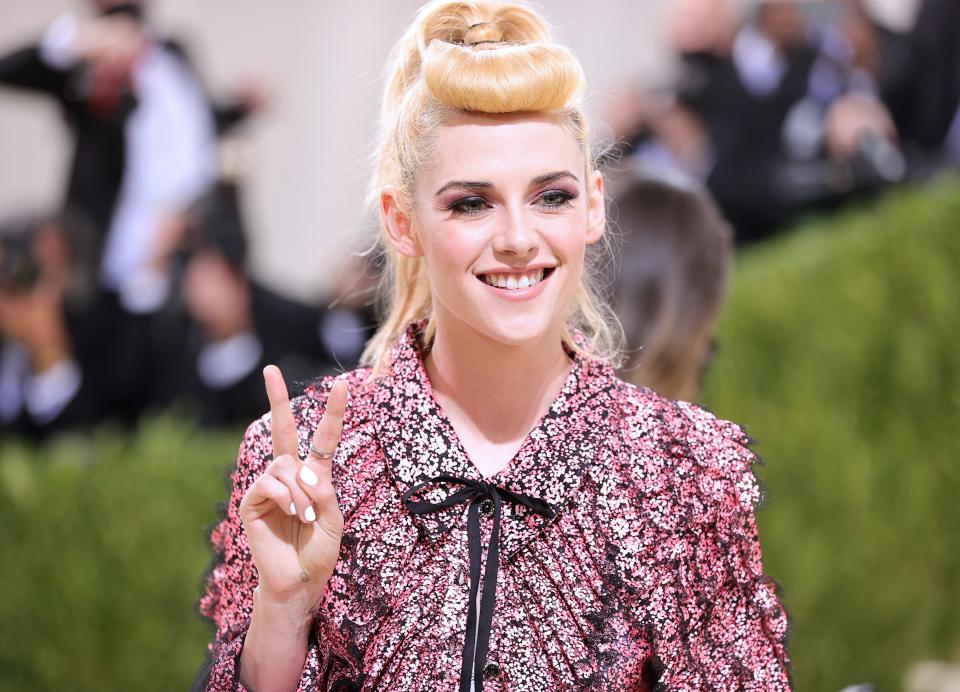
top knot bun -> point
(483, 56)
(495, 58)
(467, 22)
(502, 78)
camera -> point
(19, 269)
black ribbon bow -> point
(474, 492)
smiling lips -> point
(518, 286)
(513, 281)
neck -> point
(502, 390)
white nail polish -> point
(309, 514)
(308, 476)
(293, 508)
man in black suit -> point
(145, 135)
(744, 100)
(52, 364)
(144, 131)
(792, 115)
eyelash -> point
(457, 205)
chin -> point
(520, 329)
(510, 323)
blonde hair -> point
(477, 56)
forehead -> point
(505, 147)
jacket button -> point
(486, 507)
(490, 670)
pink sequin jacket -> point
(644, 574)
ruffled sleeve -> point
(227, 596)
(722, 625)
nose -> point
(517, 236)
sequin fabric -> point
(648, 577)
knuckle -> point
(284, 464)
(325, 495)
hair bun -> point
(504, 78)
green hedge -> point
(102, 547)
(836, 350)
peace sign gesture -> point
(290, 513)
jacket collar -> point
(420, 443)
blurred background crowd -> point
(135, 293)
(137, 289)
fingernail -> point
(309, 514)
(293, 508)
(308, 476)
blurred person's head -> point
(484, 177)
(133, 8)
(57, 251)
(676, 254)
(784, 22)
(213, 250)
(215, 223)
(701, 26)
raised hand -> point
(111, 45)
(290, 513)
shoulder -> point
(684, 450)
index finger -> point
(283, 429)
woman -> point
(494, 509)
(670, 281)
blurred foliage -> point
(103, 542)
(837, 350)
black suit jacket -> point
(745, 132)
(290, 334)
(97, 168)
(926, 101)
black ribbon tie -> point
(473, 492)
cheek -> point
(569, 238)
(451, 251)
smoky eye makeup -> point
(553, 199)
(556, 198)
(469, 205)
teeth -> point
(514, 281)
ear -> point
(397, 224)
(596, 209)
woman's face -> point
(502, 215)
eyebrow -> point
(484, 185)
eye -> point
(468, 206)
(555, 199)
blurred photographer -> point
(778, 111)
(144, 132)
(48, 376)
(230, 325)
